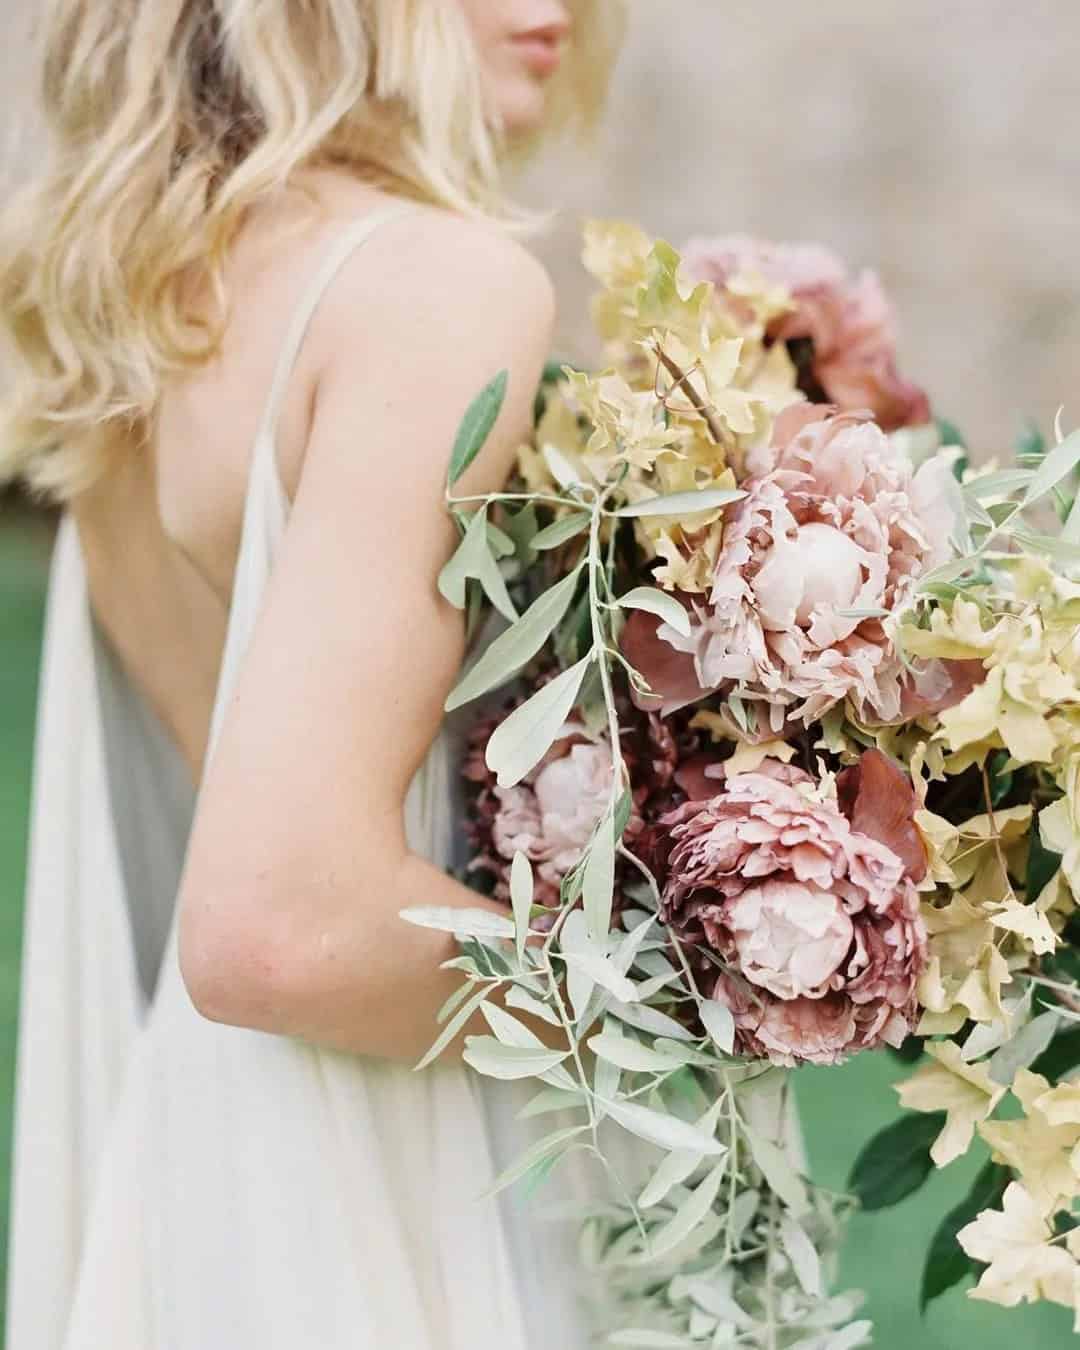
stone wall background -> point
(936, 141)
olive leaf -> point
(1055, 467)
(598, 887)
(521, 898)
(660, 603)
(687, 1217)
(474, 560)
(480, 417)
(518, 645)
(666, 1131)
(520, 742)
(561, 531)
(493, 1059)
(719, 1023)
(480, 923)
(682, 503)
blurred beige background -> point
(934, 139)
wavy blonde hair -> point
(168, 120)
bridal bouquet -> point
(778, 761)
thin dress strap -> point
(339, 254)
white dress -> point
(185, 1186)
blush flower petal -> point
(808, 929)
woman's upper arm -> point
(300, 823)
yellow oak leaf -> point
(966, 1092)
(1042, 1153)
(1022, 1265)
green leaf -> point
(660, 603)
(552, 1144)
(946, 1262)
(524, 1002)
(649, 1340)
(466, 562)
(522, 527)
(508, 1030)
(476, 425)
(1056, 547)
(474, 560)
(673, 1171)
(599, 970)
(630, 1054)
(1042, 863)
(623, 808)
(478, 923)
(598, 888)
(456, 1023)
(1001, 777)
(549, 1100)
(561, 531)
(687, 1217)
(779, 1173)
(574, 941)
(500, 543)
(896, 1161)
(950, 433)
(803, 1256)
(1000, 484)
(682, 503)
(719, 1023)
(493, 1059)
(1030, 443)
(1060, 1058)
(652, 1020)
(1022, 1049)
(518, 645)
(666, 1131)
(521, 898)
(520, 742)
(1056, 466)
(1070, 531)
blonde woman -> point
(248, 297)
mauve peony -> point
(848, 323)
(806, 927)
(550, 816)
(834, 528)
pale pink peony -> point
(835, 527)
(551, 818)
(849, 322)
(806, 927)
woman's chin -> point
(522, 108)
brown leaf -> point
(877, 797)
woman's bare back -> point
(161, 532)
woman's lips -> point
(541, 52)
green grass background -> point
(841, 1107)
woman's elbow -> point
(239, 974)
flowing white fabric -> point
(185, 1186)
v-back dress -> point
(180, 1185)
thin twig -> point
(682, 381)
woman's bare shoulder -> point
(429, 266)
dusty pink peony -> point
(848, 322)
(834, 525)
(551, 815)
(806, 927)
